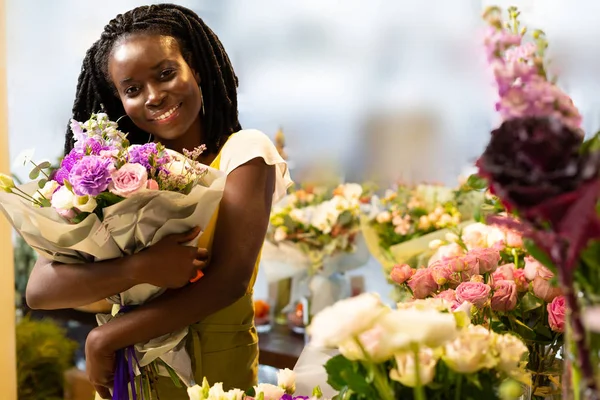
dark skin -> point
(152, 77)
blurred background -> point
(386, 90)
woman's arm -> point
(55, 285)
(240, 232)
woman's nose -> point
(155, 96)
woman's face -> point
(159, 90)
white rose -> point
(47, 191)
(85, 203)
(177, 167)
(510, 351)
(286, 379)
(406, 373)
(446, 251)
(428, 327)
(471, 351)
(345, 319)
(62, 199)
(271, 392)
(216, 392)
(280, 234)
(300, 215)
(435, 244)
(475, 235)
(352, 190)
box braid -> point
(201, 49)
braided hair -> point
(201, 49)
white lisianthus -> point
(62, 199)
(216, 392)
(406, 372)
(280, 234)
(428, 304)
(471, 351)
(510, 351)
(427, 327)
(325, 215)
(47, 191)
(286, 379)
(270, 392)
(85, 203)
(346, 319)
(197, 392)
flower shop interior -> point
(440, 236)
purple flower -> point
(66, 165)
(90, 176)
(94, 146)
(147, 155)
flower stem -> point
(457, 393)
(418, 390)
(577, 333)
(379, 377)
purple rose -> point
(94, 147)
(90, 176)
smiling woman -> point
(167, 72)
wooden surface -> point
(280, 348)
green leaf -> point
(34, 173)
(530, 302)
(334, 367)
(42, 182)
(44, 165)
(108, 199)
(539, 255)
(358, 384)
(80, 217)
(476, 182)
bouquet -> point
(314, 231)
(506, 290)
(407, 219)
(284, 390)
(544, 173)
(423, 350)
(110, 199)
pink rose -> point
(445, 252)
(128, 180)
(449, 295)
(520, 280)
(505, 296)
(475, 293)
(504, 272)
(486, 258)
(152, 185)
(401, 273)
(544, 289)
(531, 268)
(556, 314)
(422, 283)
(514, 239)
(440, 272)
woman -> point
(167, 71)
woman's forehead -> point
(143, 51)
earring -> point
(149, 138)
(201, 98)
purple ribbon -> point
(124, 373)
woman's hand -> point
(100, 362)
(170, 263)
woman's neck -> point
(191, 139)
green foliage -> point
(44, 353)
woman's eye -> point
(166, 73)
(131, 90)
